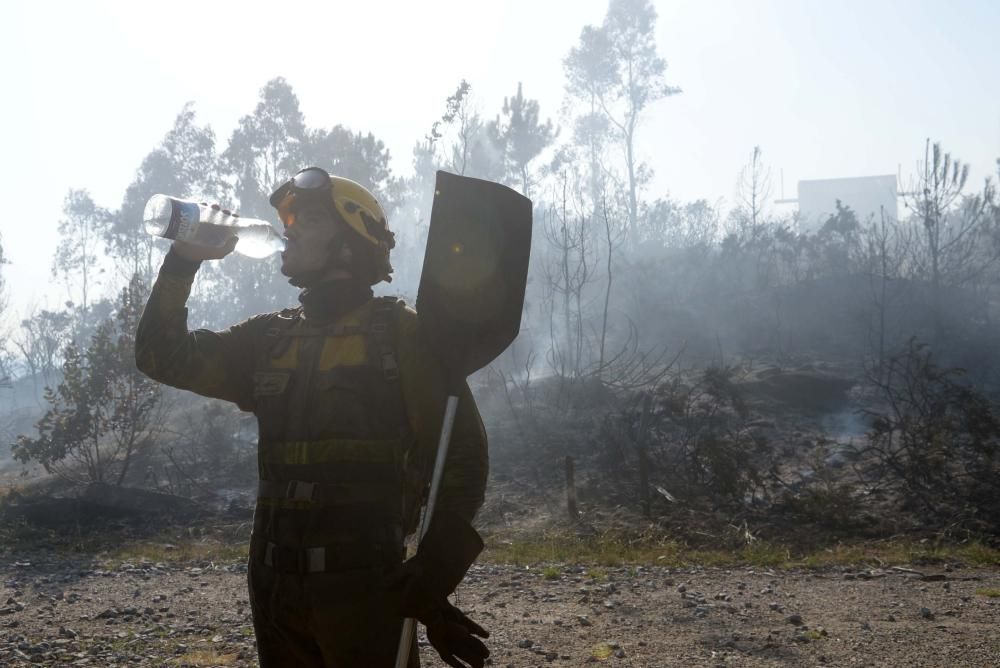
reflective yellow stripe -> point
(289, 359)
(343, 351)
(330, 451)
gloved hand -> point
(427, 579)
(449, 630)
(452, 634)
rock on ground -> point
(57, 611)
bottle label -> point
(183, 217)
(213, 236)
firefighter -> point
(349, 401)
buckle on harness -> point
(315, 559)
(307, 560)
(300, 491)
(389, 366)
(269, 555)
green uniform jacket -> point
(227, 365)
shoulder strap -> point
(382, 335)
(275, 344)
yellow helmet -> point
(354, 204)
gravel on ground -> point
(59, 611)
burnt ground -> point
(67, 610)
(111, 595)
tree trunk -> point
(640, 446)
(607, 296)
(571, 506)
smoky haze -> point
(660, 248)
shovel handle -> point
(410, 625)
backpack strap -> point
(382, 328)
(382, 336)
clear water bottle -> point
(204, 225)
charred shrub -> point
(692, 435)
(827, 500)
(935, 440)
(829, 506)
(206, 448)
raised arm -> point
(213, 364)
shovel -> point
(470, 298)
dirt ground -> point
(68, 611)
(68, 606)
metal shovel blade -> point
(475, 270)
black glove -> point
(453, 635)
(425, 581)
(449, 630)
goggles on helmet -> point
(311, 182)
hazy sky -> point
(826, 89)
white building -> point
(867, 196)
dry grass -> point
(614, 550)
(179, 551)
(205, 657)
(619, 551)
(542, 549)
